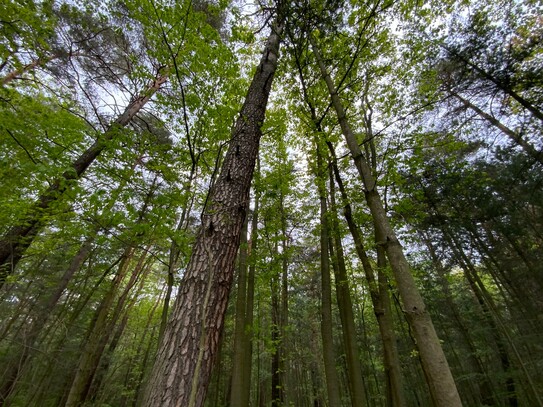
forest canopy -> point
(310, 203)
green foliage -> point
(443, 177)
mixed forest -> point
(271, 203)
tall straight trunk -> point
(102, 327)
(332, 382)
(19, 237)
(484, 385)
(238, 359)
(123, 307)
(248, 354)
(277, 394)
(284, 366)
(345, 305)
(438, 374)
(189, 347)
(380, 299)
(482, 296)
(493, 319)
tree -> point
(188, 350)
(440, 380)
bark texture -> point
(182, 370)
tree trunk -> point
(248, 362)
(505, 88)
(101, 329)
(486, 393)
(19, 237)
(189, 347)
(434, 362)
(40, 320)
(516, 137)
(277, 395)
(238, 359)
(345, 305)
(380, 300)
(332, 383)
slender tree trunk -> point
(101, 330)
(380, 300)
(138, 276)
(479, 292)
(332, 383)
(11, 76)
(434, 362)
(277, 397)
(19, 237)
(284, 366)
(189, 347)
(486, 393)
(248, 354)
(345, 305)
(40, 320)
(499, 84)
(238, 359)
(516, 137)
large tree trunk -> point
(434, 362)
(188, 350)
(18, 238)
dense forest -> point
(273, 203)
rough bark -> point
(19, 237)
(188, 350)
(434, 362)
